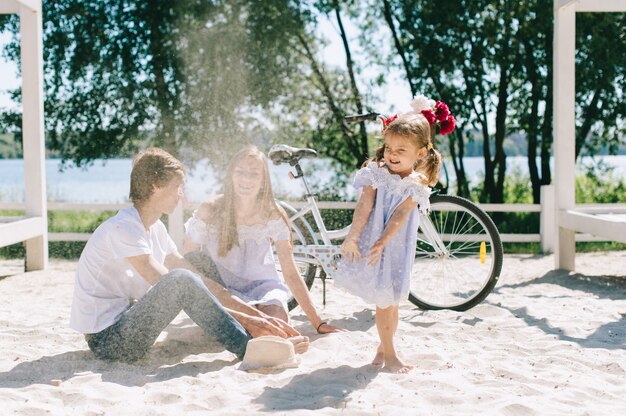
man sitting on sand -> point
(131, 282)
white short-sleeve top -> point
(105, 281)
(250, 261)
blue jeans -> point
(139, 326)
(205, 265)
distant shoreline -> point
(106, 181)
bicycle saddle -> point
(281, 153)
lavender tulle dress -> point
(386, 283)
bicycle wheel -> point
(462, 271)
(300, 235)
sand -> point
(543, 343)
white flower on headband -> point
(421, 103)
(436, 113)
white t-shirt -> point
(106, 282)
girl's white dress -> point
(386, 283)
(248, 270)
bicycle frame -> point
(325, 235)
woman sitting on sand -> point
(234, 233)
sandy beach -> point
(544, 343)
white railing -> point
(176, 220)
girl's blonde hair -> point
(415, 128)
(223, 211)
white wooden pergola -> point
(570, 218)
(33, 227)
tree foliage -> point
(192, 74)
(200, 77)
(491, 60)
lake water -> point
(108, 181)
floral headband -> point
(436, 113)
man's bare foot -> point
(379, 358)
(300, 343)
(394, 365)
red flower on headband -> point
(441, 111)
(436, 113)
(387, 121)
(430, 116)
(447, 126)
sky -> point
(395, 97)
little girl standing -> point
(378, 253)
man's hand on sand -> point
(258, 326)
(288, 329)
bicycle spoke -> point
(460, 274)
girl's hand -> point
(350, 250)
(375, 252)
(325, 328)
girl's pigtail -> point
(430, 166)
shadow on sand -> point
(606, 287)
(611, 335)
(362, 320)
(163, 362)
(326, 387)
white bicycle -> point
(458, 257)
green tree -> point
(491, 60)
(600, 82)
(192, 74)
(324, 95)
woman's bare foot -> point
(300, 344)
(394, 365)
(379, 358)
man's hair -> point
(152, 167)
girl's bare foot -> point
(379, 358)
(394, 365)
(300, 344)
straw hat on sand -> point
(268, 353)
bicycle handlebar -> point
(362, 117)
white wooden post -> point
(564, 125)
(33, 129)
(547, 219)
(176, 225)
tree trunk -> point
(456, 140)
(546, 127)
(590, 116)
(363, 148)
(388, 14)
(165, 99)
(533, 122)
(497, 196)
(338, 115)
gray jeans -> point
(134, 333)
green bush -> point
(60, 221)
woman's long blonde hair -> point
(223, 210)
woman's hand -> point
(375, 252)
(350, 250)
(325, 328)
